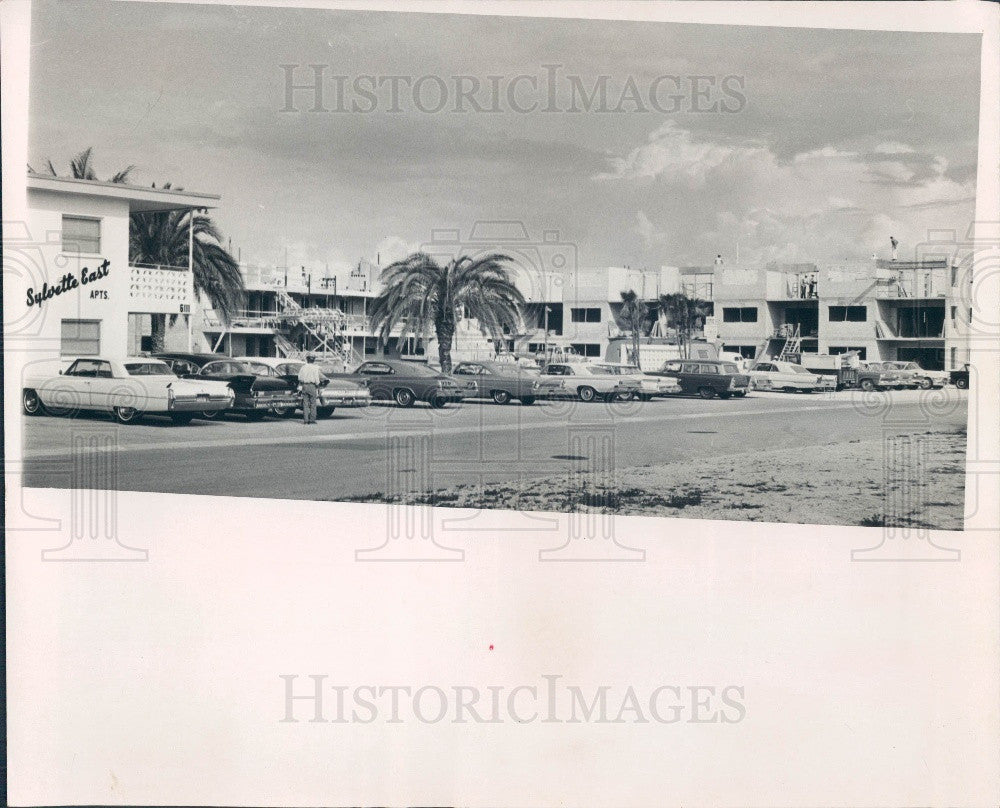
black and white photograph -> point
(455, 402)
(667, 269)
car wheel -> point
(210, 415)
(527, 401)
(126, 415)
(404, 397)
(438, 402)
(501, 397)
(182, 418)
(788, 390)
(32, 403)
(324, 412)
(961, 384)
(586, 393)
(284, 412)
(926, 384)
(867, 385)
(706, 392)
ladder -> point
(792, 346)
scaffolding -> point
(299, 330)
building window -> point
(585, 315)
(747, 314)
(587, 349)
(81, 234)
(848, 314)
(80, 338)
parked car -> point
(333, 393)
(960, 377)
(888, 378)
(772, 374)
(924, 379)
(649, 386)
(129, 388)
(255, 396)
(846, 370)
(590, 382)
(706, 378)
(407, 382)
(505, 381)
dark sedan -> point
(960, 377)
(407, 382)
(706, 378)
(505, 381)
(256, 396)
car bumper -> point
(268, 402)
(347, 400)
(210, 404)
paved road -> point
(386, 449)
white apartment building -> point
(73, 291)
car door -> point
(72, 389)
(690, 378)
(763, 375)
(377, 377)
(104, 386)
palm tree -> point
(81, 167)
(633, 314)
(417, 293)
(683, 314)
(161, 237)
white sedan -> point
(128, 388)
(593, 382)
(649, 386)
(786, 376)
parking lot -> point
(389, 452)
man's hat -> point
(311, 357)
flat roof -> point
(141, 199)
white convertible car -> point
(128, 388)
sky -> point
(795, 145)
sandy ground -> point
(916, 480)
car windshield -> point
(912, 366)
(148, 369)
(597, 370)
(729, 367)
(799, 369)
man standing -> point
(309, 379)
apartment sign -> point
(68, 283)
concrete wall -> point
(105, 300)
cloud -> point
(394, 248)
(671, 153)
(826, 203)
(647, 231)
